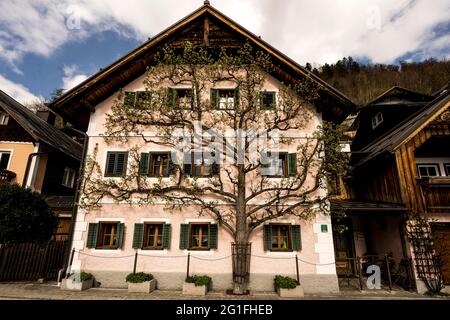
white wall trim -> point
(189, 220)
(120, 220)
(440, 161)
(15, 142)
(33, 168)
(165, 220)
(11, 154)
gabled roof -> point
(407, 129)
(39, 129)
(134, 63)
(407, 95)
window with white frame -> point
(4, 118)
(428, 170)
(447, 169)
(69, 177)
(377, 120)
(4, 159)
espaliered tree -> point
(234, 136)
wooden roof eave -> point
(74, 92)
(422, 126)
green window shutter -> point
(92, 235)
(110, 163)
(144, 164)
(236, 98)
(267, 100)
(172, 166)
(187, 164)
(138, 236)
(172, 97)
(267, 235)
(166, 236)
(121, 163)
(184, 236)
(214, 99)
(213, 230)
(129, 99)
(143, 99)
(292, 164)
(215, 169)
(116, 164)
(120, 230)
(296, 237)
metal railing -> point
(394, 273)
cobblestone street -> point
(50, 291)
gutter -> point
(73, 219)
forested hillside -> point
(364, 82)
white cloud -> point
(72, 77)
(315, 31)
(18, 91)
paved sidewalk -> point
(50, 291)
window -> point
(198, 236)
(447, 168)
(155, 164)
(107, 238)
(4, 118)
(280, 165)
(105, 235)
(282, 237)
(138, 99)
(181, 98)
(116, 164)
(428, 170)
(68, 177)
(224, 99)
(4, 159)
(196, 165)
(377, 120)
(268, 100)
(153, 236)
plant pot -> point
(142, 287)
(69, 284)
(297, 292)
(193, 290)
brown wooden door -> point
(441, 237)
(343, 246)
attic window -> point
(377, 120)
(4, 117)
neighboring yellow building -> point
(37, 155)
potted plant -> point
(288, 287)
(141, 282)
(197, 285)
(78, 282)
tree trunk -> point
(240, 284)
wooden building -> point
(37, 155)
(400, 167)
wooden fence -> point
(31, 261)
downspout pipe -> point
(76, 199)
(27, 169)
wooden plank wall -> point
(406, 166)
(378, 183)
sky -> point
(49, 44)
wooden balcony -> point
(6, 176)
(436, 191)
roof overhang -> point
(77, 103)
